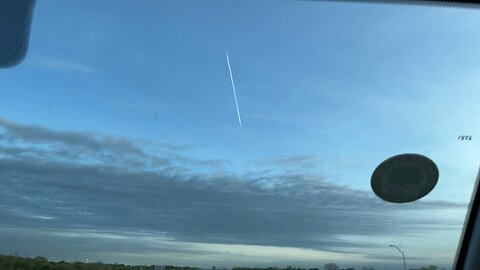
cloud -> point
(93, 148)
(93, 141)
(297, 161)
(395, 258)
(89, 181)
(63, 65)
(147, 248)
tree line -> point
(334, 266)
(10, 262)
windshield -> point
(223, 134)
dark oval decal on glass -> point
(404, 178)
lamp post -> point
(403, 255)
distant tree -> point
(40, 263)
(331, 266)
(431, 267)
(22, 264)
(368, 268)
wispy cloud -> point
(63, 65)
(298, 161)
(93, 148)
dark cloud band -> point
(57, 180)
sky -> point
(120, 142)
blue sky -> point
(129, 97)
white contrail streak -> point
(234, 92)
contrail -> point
(234, 92)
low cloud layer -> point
(59, 180)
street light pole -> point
(403, 255)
